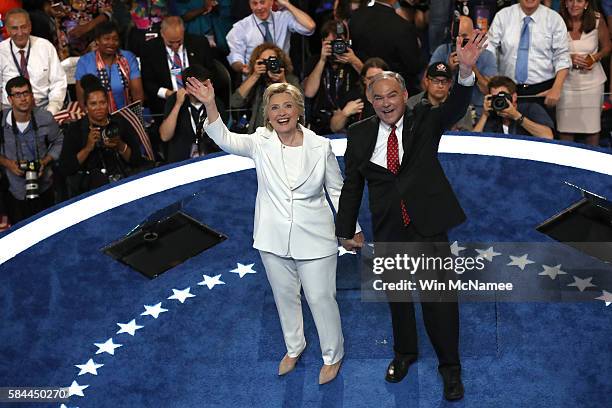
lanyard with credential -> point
(263, 35)
(23, 74)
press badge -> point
(150, 36)
(176, 71)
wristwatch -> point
(520, 120)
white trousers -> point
(318, 278)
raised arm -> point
(234, 143)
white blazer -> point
(292, 222)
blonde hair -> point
(278, 88)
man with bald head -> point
(34, 58)
(485, 68)
(411, 202)
(165, 57)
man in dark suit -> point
(183, 125)
(410, 199)
(165, 57)
(378, 31)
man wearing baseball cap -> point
(437, 83)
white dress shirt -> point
(47, 76)
(548, 47)
(182, 52)
(379, 155)
(292, 160)
(249, 32)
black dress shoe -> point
(398, 368)
(453, 387)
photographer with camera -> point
(99, 148)
(330, 76)
(503, 114)
(30, 140)
(268, 65)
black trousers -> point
(19, 210)
(441, 317)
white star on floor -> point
(606, 297)
(107, 347)
(552, 271)
(243, 269)
(89, 367)
(582, 284)
(129, 328)
(487, 254)
(154, 310)
(456, 249)
(211, 282)
(342, 251)
(181, 295)
(76, 389)
(520, 261)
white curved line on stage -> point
(30, 234)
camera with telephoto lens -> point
(31, 169)
(500, 101)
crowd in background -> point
(93, 91)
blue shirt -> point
(87, 65)
(486, 64)
(249, 32)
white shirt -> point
(548, 51)
(292, 160)
(249, 32)
(47, 76)
(182, 53)
(379, 155)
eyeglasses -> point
(436, 81)
(18, 95)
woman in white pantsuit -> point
(294, 226)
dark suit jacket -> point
(155, 71)
(378, 31)
(421, 183)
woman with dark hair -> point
(355, 105)
(579, 108)
(117, 69)
(268, 65)
(97, 149)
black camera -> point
(500, 101)
(464, 42)
(273, 64)
(339, 46)
(31, 169)
(110, 131)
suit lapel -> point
(370, 136)
(408, 136)
(311, 154)
(190, 50)
(272, 149)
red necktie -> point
(393, 165)
(178, 64)
(24, 65)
